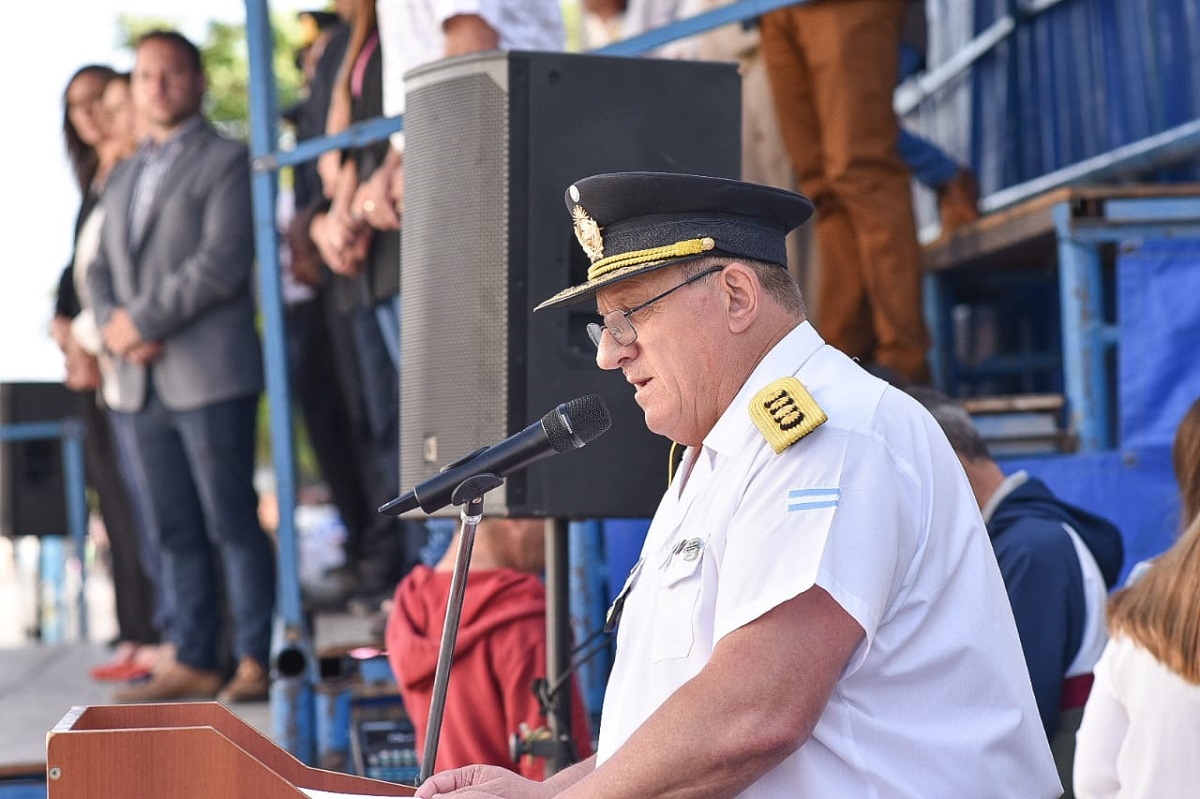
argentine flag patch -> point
(799, 499)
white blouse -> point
(1140, 734)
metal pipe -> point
(292, 693)
(558, 642)
(1170, 146)
(700, 23)
(356, 135)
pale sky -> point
(45, 43)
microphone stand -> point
(468, 495)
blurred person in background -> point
(499, 653)
(369, 262)
(97, 138)
(321, 305)
(171, 289)
(833, 67)
(1058, 562)
(1140, 733)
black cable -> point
(547, 692)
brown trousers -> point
(832, 67)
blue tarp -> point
(1158, 304)
(1134, 489)
(1078, 80)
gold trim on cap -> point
(784, 412)
(679, 249)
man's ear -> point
(742, 293)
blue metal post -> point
(77, 512)
(1083, 329)
(588, 586)
(938, 318)
(293, 662)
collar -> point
(1010, 484)
(185, 129)
(787, 357)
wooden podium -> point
(196, 750)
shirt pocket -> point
(675, 617)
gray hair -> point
(955, 422)
(776, 281)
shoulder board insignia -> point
(784, 412)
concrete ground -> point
(40, 680)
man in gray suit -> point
(172, 291)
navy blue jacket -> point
(1045, 581)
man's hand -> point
(83, 372)
(478, 782)
(60, 331)
(145, 353)
(396, 186)
(342, 248)
(329, 163)
(373, 201)
(468, 33)
(120, 333)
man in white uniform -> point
(817, 611)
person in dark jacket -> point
(1058, 562)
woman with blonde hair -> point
(1185, 457)
(1140, 734)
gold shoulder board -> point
(784, 412)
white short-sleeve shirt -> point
(411, 35)
(873, 507)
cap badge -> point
(588, 233)
(784, 412)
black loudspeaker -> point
(492, 141)
(32, 493)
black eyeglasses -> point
(618, 324)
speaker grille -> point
(456, 162)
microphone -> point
(569, 426)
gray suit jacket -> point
(188, 282)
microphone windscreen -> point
(575, 423)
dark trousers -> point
(317, 385)
(199, 466)
(391, 547)
(133, 591)
(149, 552)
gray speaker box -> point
(492, 141)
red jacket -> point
(500, 651)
